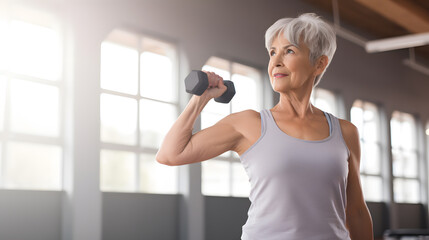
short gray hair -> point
(318, 35)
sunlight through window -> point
(118, 119)
(119, 68)
(157, 178)
(405, 158)
(117, 170)
(32, 166)
(32, 50)
(325, 100)
(30, 103)
(365, 116)
(34, 108)
(138, 105)
(157, 77)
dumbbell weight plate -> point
(196, 82)
(229, 94)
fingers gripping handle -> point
(197, 82)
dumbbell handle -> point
(197, 83)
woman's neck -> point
(296, 104)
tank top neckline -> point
(329, 119)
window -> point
(138, 104)
(31, 96)
(406, 183)
(325, 100)
(366, 117)
(225, 176)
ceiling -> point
(383, 18)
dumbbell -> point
(197, 82)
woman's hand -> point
(216, 87)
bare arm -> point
(358, 218)
(180, 146)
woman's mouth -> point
(280, 75)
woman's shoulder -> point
(348, 129)
(246, 115)
(245, 119)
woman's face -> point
(289, 66)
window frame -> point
(47, 20)
(416, 150)
(378, 143)
(132, 39)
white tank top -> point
(298, 187)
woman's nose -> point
(278, 61)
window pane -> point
(118, 119)
(371, 159)
(410, 164)
(357, 119)
(3, 45)
(372, 188)
(3, 84)
(34, 50)
(119, 68)
(215, 178)
(323, 105)
(221, 72)
(398, 163)
(325, 100)
(156, 75)
(155, 120)
(246, 96)
(32, 166)
(370, 133)
(240, 181)
(34, 108)
(157, 178)
(403, 131)
(408, 135)
(117, 170)
(209, 119)
(406, 190)
(395, 128)
(217, 108)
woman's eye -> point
(290, 51)
(272, 53)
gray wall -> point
(224, 28)
(34, 215)
(139, 216)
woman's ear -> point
(321, 64)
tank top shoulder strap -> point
(329, 118)
(264, 121)
(268, 123)
(333, 123)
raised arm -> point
(181, 147)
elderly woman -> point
(302, 162)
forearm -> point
(359, 224)
(180, 133)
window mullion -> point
(139, 132)
(6, 131)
